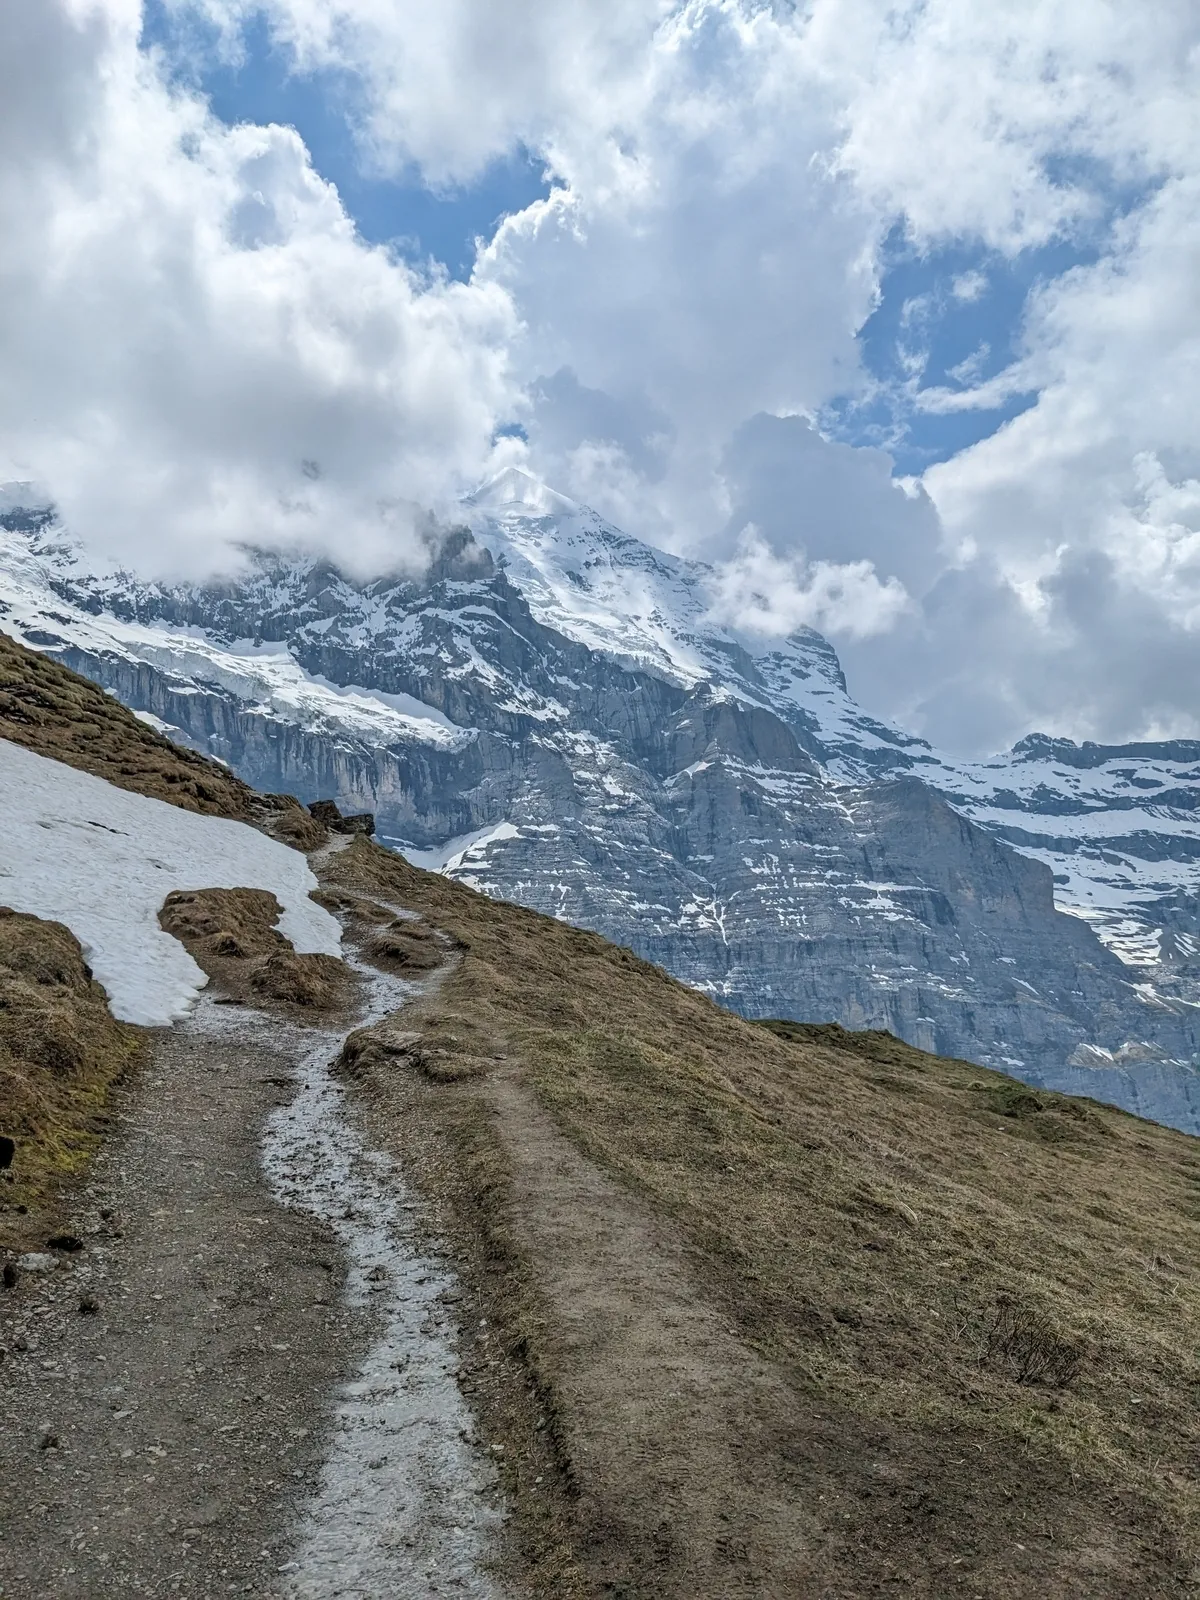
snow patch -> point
(465, 850)
(80, 851)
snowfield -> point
(79, 851)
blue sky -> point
(947, 319)
(923, 314)
(416, 221)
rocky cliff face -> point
(550, 714)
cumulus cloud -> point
(198, 349)
(833, 501)
(760, 592)
(696, 260)
(214, 349)
(449, 87)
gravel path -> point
(244, 1383)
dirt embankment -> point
(786, 1312)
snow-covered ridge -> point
(592, 583)
(1119, 826)
(37, 605)
(79, 851)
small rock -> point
(361, 822)
(37, 1261)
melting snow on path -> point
(77, 850)
(402, 1508)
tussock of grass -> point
(231, 935)
(920, 1244)
(60, 1051)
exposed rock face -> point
(551, 715)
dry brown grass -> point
(60, 1051)
(231, 935)
(932, 1253)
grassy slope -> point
(60, 1049)
(932, 1253)
(54, 712)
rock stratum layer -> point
(550, 714)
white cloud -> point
(969, 286)
(1005, 123)
(450, 87)
(762, 593)
(197, 348)
(726, 172)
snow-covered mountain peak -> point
(513, 489)
(639, 605)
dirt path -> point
(244, 1382)
(673, 1422)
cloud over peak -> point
(200, 348)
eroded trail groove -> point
(244, 1383)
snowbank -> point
(76, 850)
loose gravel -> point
(244, 1382)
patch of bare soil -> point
(60, 1051)
(775, 1314)
(231, 935)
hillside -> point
(553, 715)
(763, 1309)
(974, 1306)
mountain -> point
(551, 714)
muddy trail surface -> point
(244, 1381)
